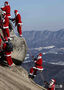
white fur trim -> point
(38, 68)
(3, 12)
(30, 74)
(17, 13)
(5, 27)
(9, 16)
(39, 57)
(3, 20)
(8, 55)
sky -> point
(39, 14)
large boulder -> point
(19, 48)
(19, 45)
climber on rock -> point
(5, 28)
(7, 48)
(52, 84)
(18, 22)
(7, 9)
(38, 66)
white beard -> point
(51, 84)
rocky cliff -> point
(16, 78)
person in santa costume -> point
(5, 28)
(18, 22)
(52, 84)
(7, 9)
(7, 54)
(38, 66)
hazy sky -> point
(39, 14)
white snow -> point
(57, 63)
(26, 58)
(48, 47)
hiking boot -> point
(20, 35)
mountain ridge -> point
(44, 38)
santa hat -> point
(16, 11)
(6, 2)
(39, 56)
(53, 80)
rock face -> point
(19, 47)
(16, 79)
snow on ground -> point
(57, 63)
(48, 47)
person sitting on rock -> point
(52, 84)
(7, 52)
(38, 66)
(18, 22)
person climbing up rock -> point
(7, 9)
(52, 84)
(38, 66)
(7, 52)
(5, 28)
(18, 22)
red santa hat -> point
(6, 2)
(39, 56)
(53, 80)
(15, 11)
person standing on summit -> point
(5, 28)
(18, 22)
(7, 9)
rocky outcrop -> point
(19, 48)
(19, 45)
(16, 78)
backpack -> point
(9, 47)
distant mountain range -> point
(44, 38)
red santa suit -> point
(38, 65)
(6, 26)
(52, 84)
(7, 54)
(6, 8)
(18, 22)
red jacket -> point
(52, 87)
(6, 53)
(39, 61)
(7, 10)
(5, 22)
(17, 20)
